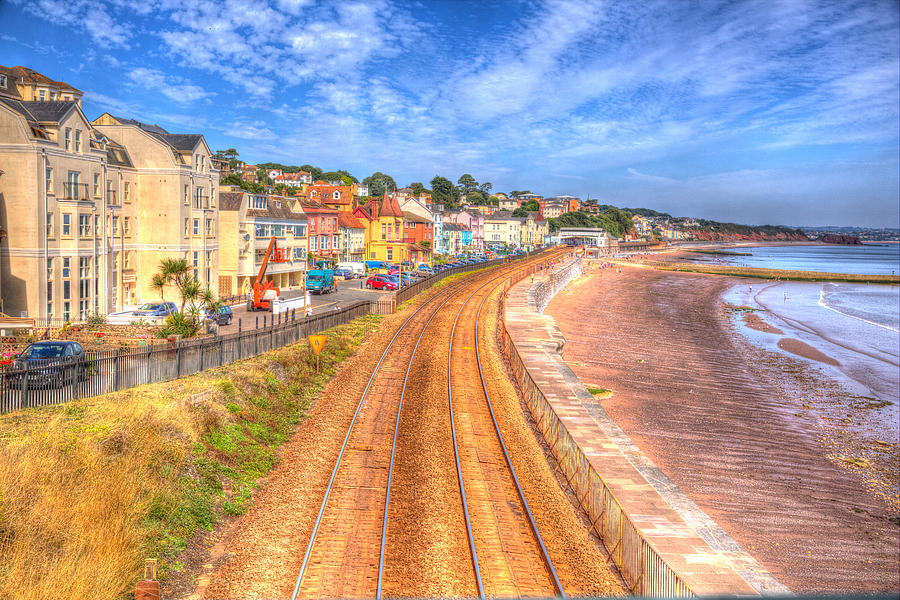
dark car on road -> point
(381, 282)
(345, 273)
(222, 316)
(49, 363)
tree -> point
(486, 188)
(263, 176)
(466, 183)
(520, 212)
(425, 244)
(316, 172)
(232, 179)
(517, 193)
(476, 197)
(379, 183)
(532, 205)
(338, 175)
(417, 188)
(442, 190)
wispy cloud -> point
(173, 87)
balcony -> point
(74, 191)
(201, 202)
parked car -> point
(344, 272)
(49, 363)
(424, 270)
(381, 282)
(357, 268)
(223, 316)
(408, 265)
(156, 309)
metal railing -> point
(42, 382)
(643, 569)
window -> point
(128, 260)
(127, 192)
(336, 195)
(278, 230)
(42, 95)
(299, 230)
(196, 228)
(66, 224)
(126, 225)
(115, 226)
(48, 174)
(77, 140)
(96, 184)
(209, 228)
(84, 309)
(298, 253)
(258, 202)
(68, 138)
(2, 80)
(52, 95)
(390, 254)
(209, 261)
(196, 263)
(397, 230)
(313, 243)
(84, 225)
(383, 228)
(198, 198)
(187, 194)
(84, 277)
(187, 227)
(324, 242)
(49, 224)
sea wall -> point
(656, 549)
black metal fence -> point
(53, 381)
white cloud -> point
(173, 87)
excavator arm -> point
(261, 286)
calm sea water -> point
(866, 259)
(856, 324)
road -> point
(349, 291)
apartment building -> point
(474, 221)
(22, 83)
(456, 238)
(248, 222)
(416, 231)
(425, 208)
(69, 206)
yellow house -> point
(22, 83)
(384, 224)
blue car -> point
(49, 363)
(156, 309)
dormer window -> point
(3, 83)
(336, 195)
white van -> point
(357, 268)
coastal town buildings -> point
(108, 205)
(248, 222)
(456, 238)
(324, 236)
(509, 203)
(474, 222)
(502, 230)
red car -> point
(380, 282)
(393, 269)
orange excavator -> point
(265, 292)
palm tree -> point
(159, 283)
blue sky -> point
(770, 111)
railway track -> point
(347, 551)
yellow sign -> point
(317, 342)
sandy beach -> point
(744, 432)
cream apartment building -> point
(502, 230)
(68, 203)
(175, 201)
(248, 224)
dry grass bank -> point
(90, 489)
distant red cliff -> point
(835, 238)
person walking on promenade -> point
(308, 310)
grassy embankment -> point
(772, 273)
(90, 489)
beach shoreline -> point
(752, 436)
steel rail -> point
(487, 396)
(337, 463)
(387, 502)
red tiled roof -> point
(349, 221)
(390, 206)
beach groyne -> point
(761, 273)
(657, 550)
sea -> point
(858, 325)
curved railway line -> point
(348, 549)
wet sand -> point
(731, 425)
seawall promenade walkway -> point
(662, 542)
